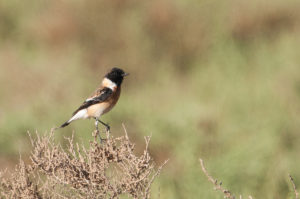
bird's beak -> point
(125, 74)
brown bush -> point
(104, 170)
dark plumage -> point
(104, 94)
(116, 75)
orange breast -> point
(113, 100)
(97, 110)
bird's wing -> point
(102, 95)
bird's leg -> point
(96, 125)
(106, 125)
(97, 129)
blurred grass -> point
(210, 79)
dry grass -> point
(227, 193)
(218, 186)
(294, 187)
(106, 170)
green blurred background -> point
(213, 79)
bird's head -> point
(116, 75)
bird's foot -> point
(102, 140)
(95, 134)
(107, 128)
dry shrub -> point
(20, 184)
(104, 170)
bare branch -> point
(294, 187)
(217, 185)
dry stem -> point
(217, 185)
(294, 187)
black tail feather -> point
(64, 124)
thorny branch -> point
(294, 187)
(106, 170)
(218, 186)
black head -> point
(116, 75)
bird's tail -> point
(78, 115)
(64, 124)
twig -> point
(226, 192)
(154, 176)
(294, 187)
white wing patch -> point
(105, 83)
(89, 99)
(92, 98)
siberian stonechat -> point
(102, 100)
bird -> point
(102, 100)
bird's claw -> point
(102, 140)
(107, 127)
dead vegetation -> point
(227, 193)
(106, 170)
(294, 187)
(103, 170)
